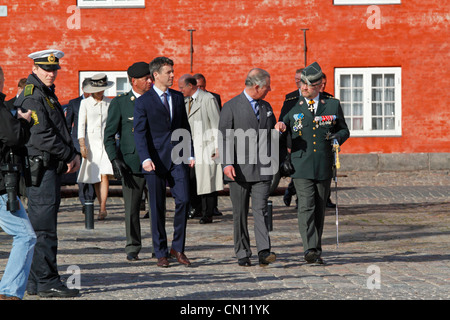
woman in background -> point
(96, 167)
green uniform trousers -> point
(312, 200)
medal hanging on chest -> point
(298, 126)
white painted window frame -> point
(364, 2)
(367, 101)
(86, 4)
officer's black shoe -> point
(244, 262)
(287, 197)
(330, 204)
(311, 255)
(194, 213)
(216, 212)
(59, 292)
(266, 257)
(205, 220)
(132, 257)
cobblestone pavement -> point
(394, 235)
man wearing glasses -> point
(314, 122)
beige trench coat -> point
(204, 121)
(91, 125)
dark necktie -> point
(165, 102)
(257, 110)
(190, 104)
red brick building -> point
(383, 59)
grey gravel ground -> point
(394, 232)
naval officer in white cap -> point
(51, 153)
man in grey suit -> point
(245, 126)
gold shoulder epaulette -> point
(292, 98)
(28, 90)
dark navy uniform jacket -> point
(49, 132)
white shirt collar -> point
(137, 95)
(160, 92)
(195, 95)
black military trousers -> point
(43, 206)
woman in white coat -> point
(95, 167)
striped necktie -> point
(257, 110)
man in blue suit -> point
(158, 116)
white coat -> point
(91, 125)
(204, 121)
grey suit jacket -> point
(245, 142)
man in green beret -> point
(126, 163)
(314, 122)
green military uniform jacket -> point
(312, 155)
(120, 120)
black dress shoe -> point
(266, 257)
(311, 255)
(216, 212)
(318, 261)
(205, 220)
(287, 198)
(59, 292)
(193, 213)
(244, 262)
(133, 257)
(330, 204)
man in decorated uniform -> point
(126, 163)
(314, 122)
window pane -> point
(358, 80)
(358, 109)
(348, 120)
(377, 94)
(346, 95)
(389, 80)
(357, 95)
(122, 85)
(377, 124)
(389, 94)
(389, 123)
(346, 108)
(389, 109)
(377, 109)
(357, 124)
(345, 80)
(377, 80)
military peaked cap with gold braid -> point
(47, 59)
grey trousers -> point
(312, 200)
(240, 193)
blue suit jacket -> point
(154, 130)
(72, 119)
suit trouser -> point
(240, 193)
(312, 199)
(43, 206)
(178, 180)
(132, 196)
(86, 191)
